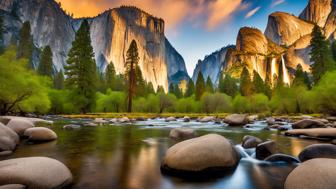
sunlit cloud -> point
(252, 12)
(277, 2)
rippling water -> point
(129, 156)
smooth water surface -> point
(129, 156)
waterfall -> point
(273, 69)
(286, 79)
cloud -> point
(252, 12)
(277, 2)
(208, 13)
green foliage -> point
(333, 50)
(166, 101)
(246, 86)
(320, 54)
(258, 84)
(240, 104)
(228, 85)
(187, 105)
(325, 95)
(59, 80)
(208, 86)
(175, 90)
(21, 89)
(25, 48)
(301, 78)
(215, 103)
(46, 64)
(110, 77)
(112, 101)
(259, 103)
(81, 70)
(61, 102)
(190, 89)
(200, 86)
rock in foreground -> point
(266, 149)
(318, 151)
(236, 119)
(209, 154)
(40, 134)
(35, 172)
(20, 125)
(8, 139)
(313, 174)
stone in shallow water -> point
(71, 127)
(313, 174)
(168, 119)
(282, 158)
(35, 172)
(182, 133)
(317, 132)
(318, 151)
(265, 149)
(8, 139)
(308, 123)
(206, 155)
(20, 125)
(40, 134)
(251, 141)
(236, 119)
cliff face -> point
(212, 65)
(317, 11)
(285, 29)
(111, 34)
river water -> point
(129, 156)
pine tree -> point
(333, 50)
(301, 78)
(1, 29)
(190, 89)
(200, 86)
(110, 77)
(171, 88)
(59, 80)
(140, 83)
(209, 87)
(268, 86)
(246, 87)
(46, 64)
(160, 90)
(258, 83)
(131, 69)
(228, 85)
(150, 88)
(177, 91)
(25, 48)
(320, 54)
(81, 70)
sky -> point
(196, 28)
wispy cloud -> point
(252, 12)
(277, 2)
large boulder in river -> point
(40, 134)
(13, 186)
(308, 123)
(35, 172)
(282, 158)
(317, 132)
(207, 119)
(182, 133)
(266, 149)
(8, 139)
(203, 155)
(313, 174)
(31, 119)
(20, 125)
(318, 151)
(168, 119)
(251, 141)
(236, 119)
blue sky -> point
(197, 27)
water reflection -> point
(128, 157)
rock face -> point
(312, 174)
(212, 65)
(317, 11)
(285, 29)
(8, 139)
(40, 134)
(111, 34)
(201, 154)
(318, 151)
(47, 173)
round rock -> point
(13, 186)
(207, 154)
(168, 119)
(20, 125)
(313, 174)
(40, 134)
(251, 141)
(308, 123)
(318, 151)
(236, 119)
(265, 149)
(35, 172)
(182, 134)
(8, 139)
(71, 127)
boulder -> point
(251, 141)
(203, 155)
(266, 149)
(186, 119)
(90, 124)
(318, 151)
(252, 118)
(124, 120)
(182, 133)
(141, 119)
(35, 172)
(318, 132)
(71, 127)
(207, 119)
(270, 121)
(19, 125)
(100, 121)
(308, 123)
(333, 141)
(13, 186)
(236, 119)
(8, 139)
(282, 158)
(30, 119)
(313, 174)
(40, 134)
(168, 119)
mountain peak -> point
(317, 11)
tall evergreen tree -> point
(333, 50)
(200, 86)
(171, 88)
(177, 91)
(268, 86)
(301, 78)
(190, 89)
(246, 87)
(25, 48)
(110, 77)
(140, 83)
(160, 90)
(228, 85)
(209, 87)
(320, 54)
(131, 70)
(81, 70)
(258, 83)
(46, 65)
(59, 80)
